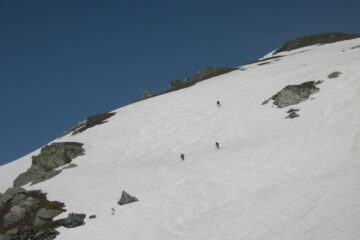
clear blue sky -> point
(61, 61)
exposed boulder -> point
(74, 220)
(209, 73)
(322, 38)
(334, 74)
(294, 94)
(51, 157)
(126, 198)
(92, 216)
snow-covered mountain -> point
(288, 166)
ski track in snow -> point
(273, 178)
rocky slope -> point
(286, 167)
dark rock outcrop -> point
(126, 198)
(209, 73)
(294, 94)
(292, 113)
(92, 216)
(71, 165)
(89, 123)
(44, 165)
(322, 38)
(74, 220)
(175, 83)
(334, 74)
(45, 215)
(30, 216)
(193, 79)
(19, 211)
(147, 93)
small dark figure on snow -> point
(217, 145)
(218, 103)
(182, 156)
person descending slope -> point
(182, 156)
(217, 145)
(218, 103)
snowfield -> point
(273, 178)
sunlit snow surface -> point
(273, 178)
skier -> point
(182, 156)
(218, 103)
(217, 145)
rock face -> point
(21, 209)
(74, 220)
(89, 123)
(209, 73)
(322, 38)
(51, 157)
(126, 198)
(294, 94)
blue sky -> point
(62, 61)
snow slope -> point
(273, 178)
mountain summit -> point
(267, 150)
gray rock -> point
(175, 83)
(4, 237)
(74, 220)
(46, 235)
(92, 216)
(71, 165)
(29, 203)
(10, 193)
(334, 74)
(45, 215)
(292, 115)
(293, 94)
(89, 123)
(80, 124)
(292, 110)
(27, 177)
(209, 73)
(31, 233)
(322, 38)
(15, 214)
(13, 231)
(51, 157)
(43, 176)
(126, 198)
(147, 93)
(93, 121)
(19, 197)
